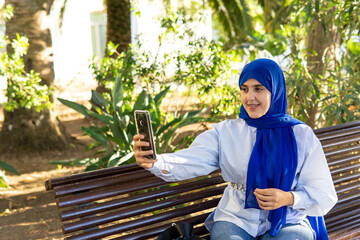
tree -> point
(118, 28)
(27, 129)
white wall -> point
(72, 46)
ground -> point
(27, 211)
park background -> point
(178, 59)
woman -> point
(276, 167)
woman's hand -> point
(140, 158)
(272, 198)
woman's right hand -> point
(140, 158)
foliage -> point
(343, 106)
(201, 65)
(339, 98)
(113, 125)
(116, 64)
(24, 90)
(233, 20)
(332, 94)
(283, 28)
(3, 179)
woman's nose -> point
(251, 95)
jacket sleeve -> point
(201, 158)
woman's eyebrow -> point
(256, 85)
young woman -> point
(279, 181)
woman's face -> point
(255, 98)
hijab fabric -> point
(273, 161)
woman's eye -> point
(243, 89)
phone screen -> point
(143, 126)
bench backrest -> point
(341, 145)
(127, 202)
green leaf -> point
(103, 118)
(317, 6)
(8, 168)
(118, 94)
(160, 96)
(323, 24)
(99, 99)
(3, 180)
(328, 97)
(95, 135)
(77, 107)
(117, 159)
(115, 129)
(189, 117)
(142, 101)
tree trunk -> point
(118, 29)
(26, 129)
(326, 46)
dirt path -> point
(27, 211)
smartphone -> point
(143, 126)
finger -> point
(138, 137)
(262, 197)
(266, 205)
(145, 162)
(137, 145)
(143, 153)
(265, 191)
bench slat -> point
(105, 181)
(336, 128)
(346, 168)
(342, 151)
(339, 133)
(345, 226)
(340, 141)
(342, 159)
(348, 187)
(96, 174)
(345, 177)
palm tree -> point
(118, 28)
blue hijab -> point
(273, 161)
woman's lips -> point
(253, 106)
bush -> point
(113, 126)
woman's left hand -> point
(272, 198)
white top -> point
(228, 146)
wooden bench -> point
(128, 202)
